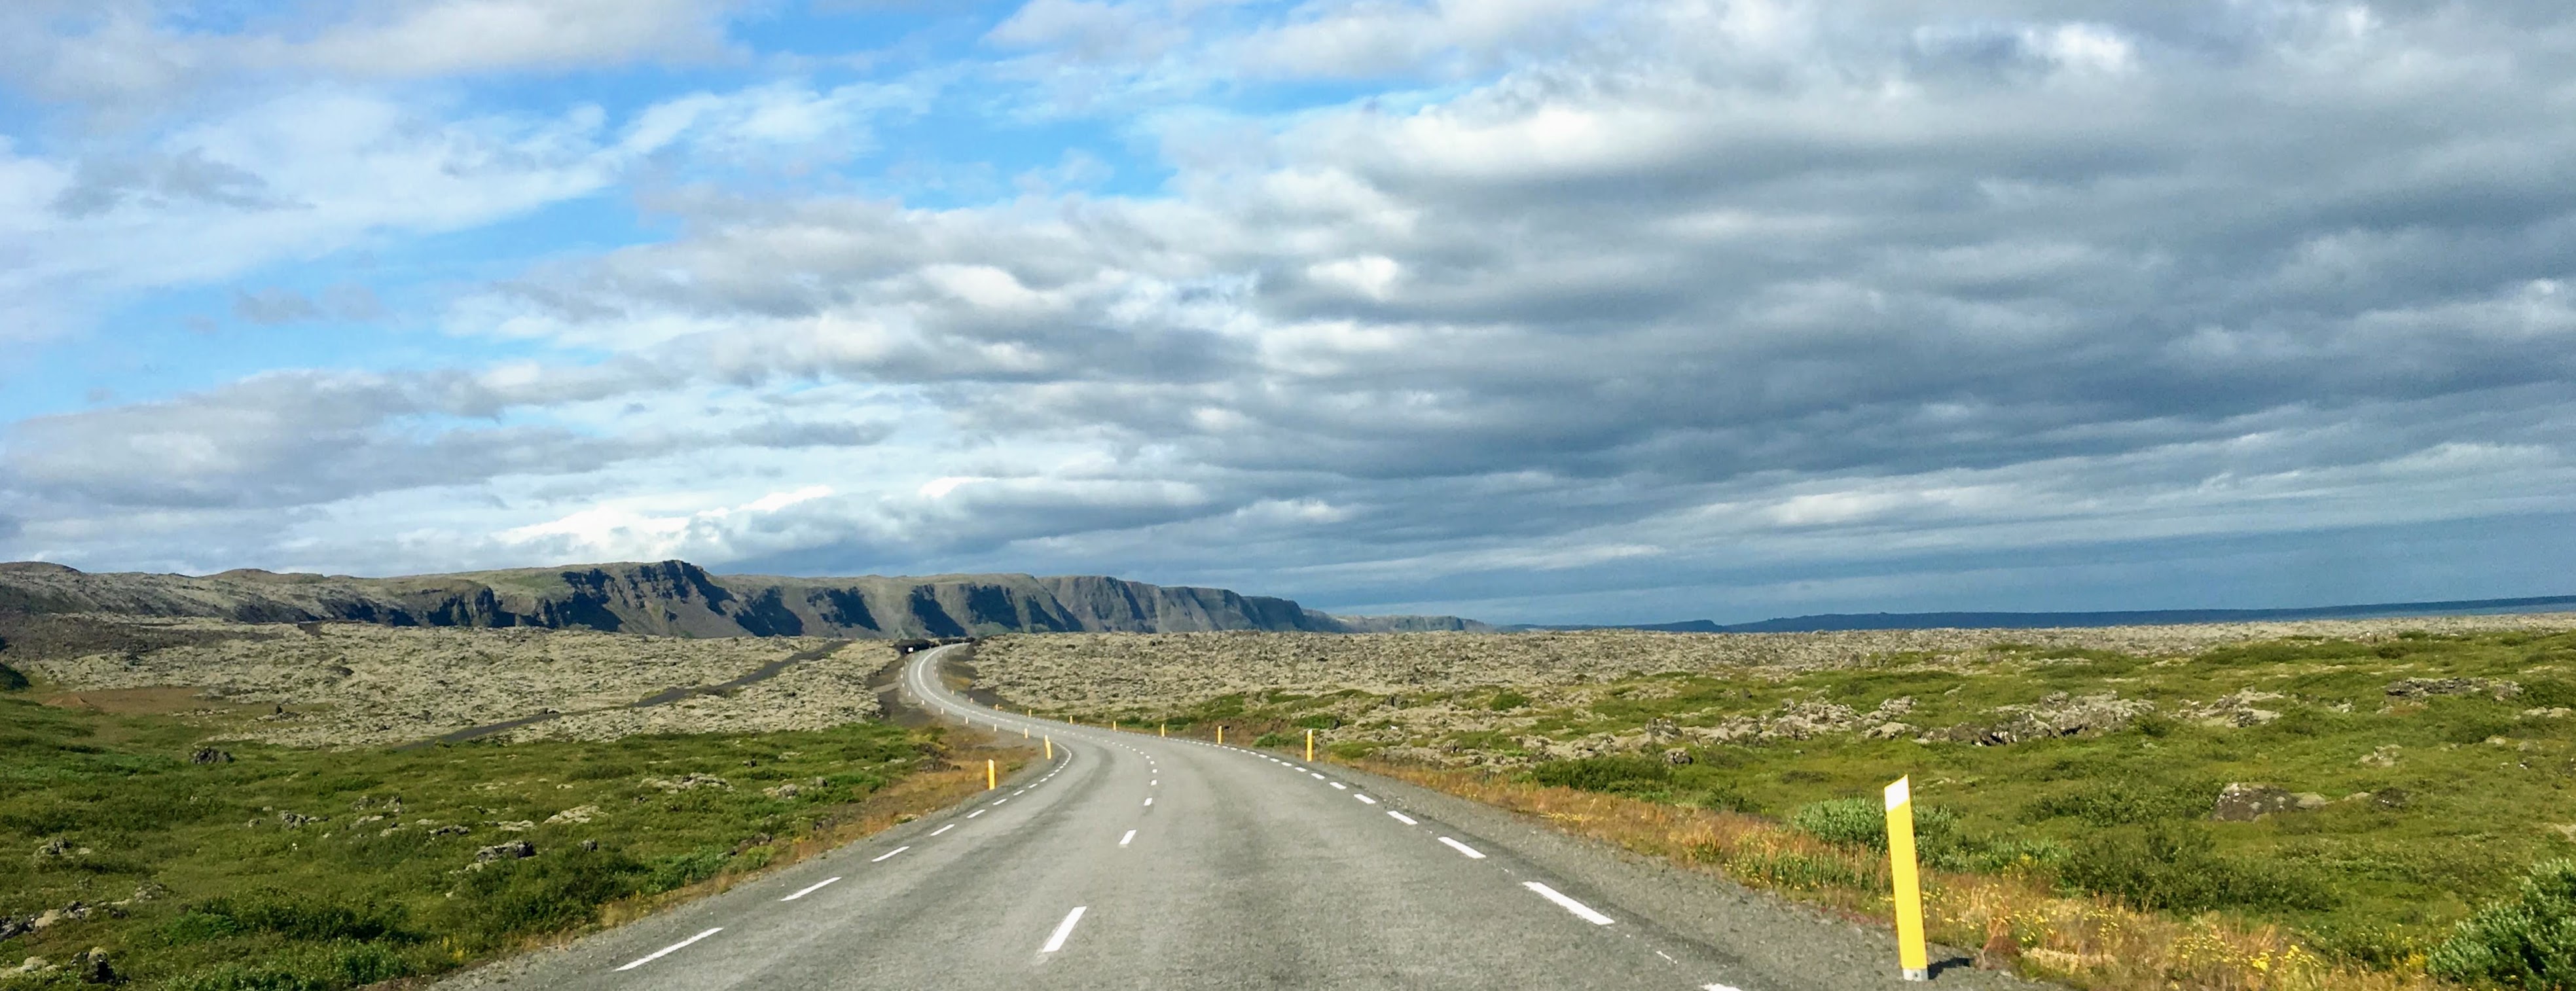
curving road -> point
(1131, 861)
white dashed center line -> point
(1462, 848)
(1131, 834)
(1363, 798)
(1149, 801)
(882, 856)
(1402, 818)
(943, 829)
(1063, 929)
(1315, 776)
(810, 889)
(1339, 785)
(665, 951)
(1580, 910)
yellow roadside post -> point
(1050, 741)
(1909, 888)
(1024, 732)
(1310, 746)
(1220, 736)
(992, 776)
(1162, 729)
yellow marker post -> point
(1162, 729)
(1050, 741)
(1909, 887)
(1024, 732)
(1310, 746)
(992, 776)
(1220, 734)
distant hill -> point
(2048, 620)
(676, 598)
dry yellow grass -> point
(2086, 942)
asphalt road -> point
(1131, 861)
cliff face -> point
(676, 598)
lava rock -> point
(2240, 802)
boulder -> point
(210, 755)
(2241, 802)
(513, 850)
(91, 967)
(2384, 755)
(1677, 756)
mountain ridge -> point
(677, 598)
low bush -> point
(1604, 774)
(680, 870)
(270, 910)
(1507, 700)
(2527, 942)
(321, 968)
(11, 680)
(555, 890)
(1273, 740)
(2175, 867)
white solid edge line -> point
(1402, 818)
(1063, 929)
(1131, 834)
(880, 858)
(1462, 848)
(1364, 798)
(943, 829)
(658, 954)
(810, 889)
(1580, 909)
(1719, 987)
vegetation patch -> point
(250, 865)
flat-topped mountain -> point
(676, 598)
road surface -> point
(1131, 861)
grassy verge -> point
(2070, 798)
(249, 866)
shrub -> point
(681, 870)
(1507, 700)
(1320, 722)
(1273, 740)
(540, 894)
(1863, 822)
(1604, 774)
(295, 917)
(2548, 693)
(2126, 801)
(2528, 942)
(326, 968)
(11, 680)
(2175, 867)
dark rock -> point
(1677, 756)
(91, 967)
(513, 850)
(2240, 802)
(590, 844)
(210, 755)
(2391, 799)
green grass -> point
(383, 884)
(2459, 819)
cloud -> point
(1800, 300)
(347, 302)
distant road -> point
(1137, 862)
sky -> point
(1524, 310)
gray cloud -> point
(348, 302)
(1857, 307)
(162, 180)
